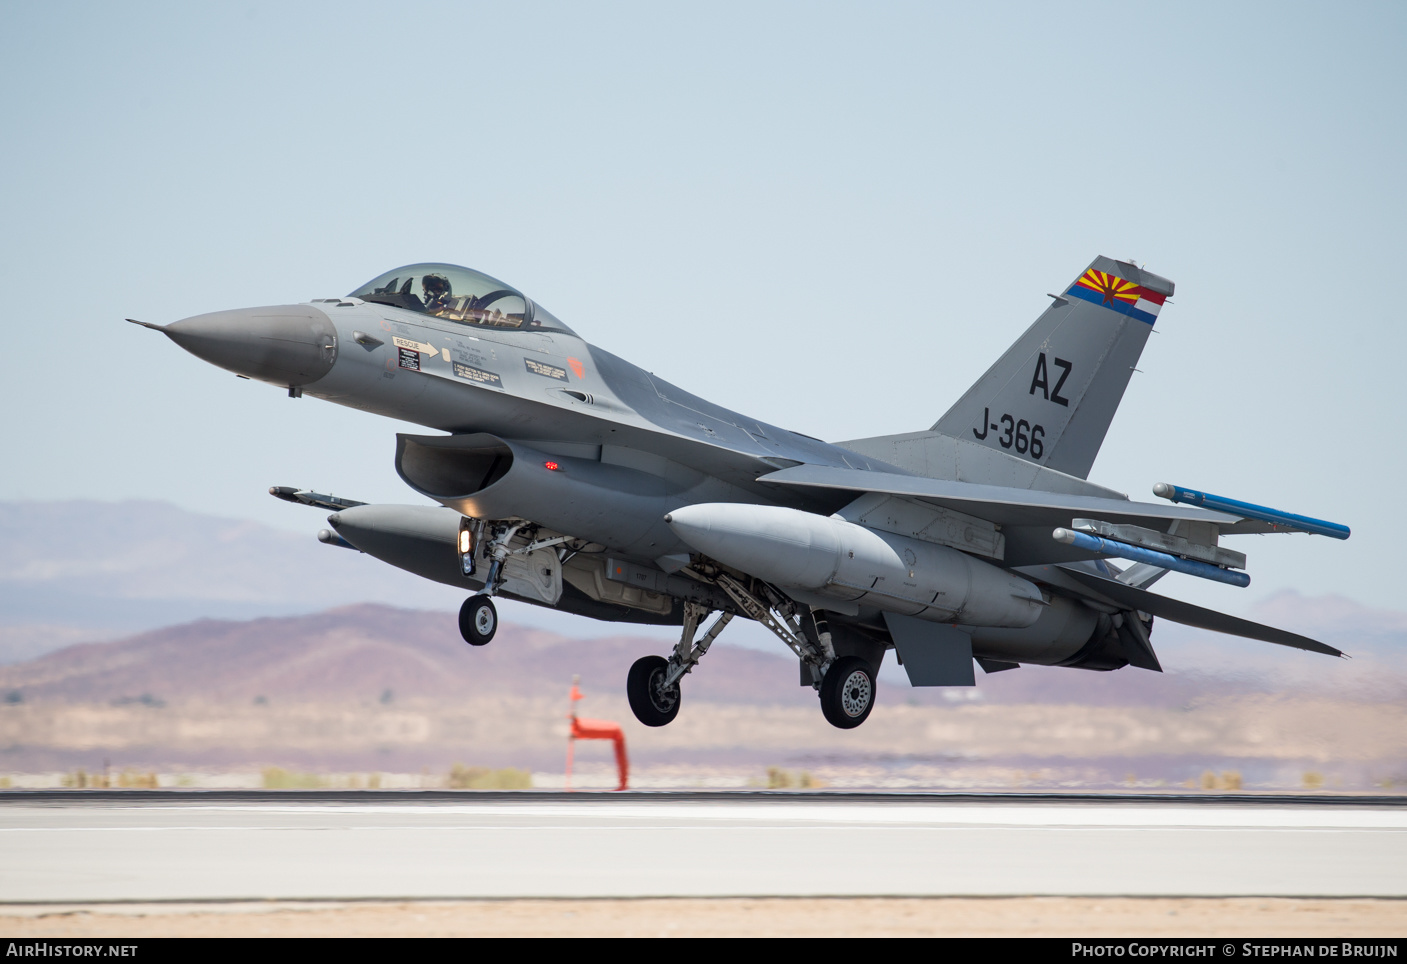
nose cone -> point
(705, 527)
(785, 546)
(286, 344)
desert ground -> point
(802, 917)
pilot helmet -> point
(436, 287)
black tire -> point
(652, 705)
(847, 692)
(478, 620)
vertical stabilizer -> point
(1051, 397)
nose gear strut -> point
(498, 550)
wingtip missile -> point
(1248, 510)
(307, 497)
(1151, 557)
(329, 538)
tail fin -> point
(1051, 397)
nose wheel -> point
(653, 699)
(478, 620)
(847, 692)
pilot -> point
(438, 293)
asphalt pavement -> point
(67, 847)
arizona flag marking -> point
(1125, 297)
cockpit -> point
(460, 295)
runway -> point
(162, 846)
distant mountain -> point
(356, 653)
(77, 571)
(372, 687)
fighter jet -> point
(567, 477)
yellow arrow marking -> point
(424, 347)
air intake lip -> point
(454, 466)
(487, 477)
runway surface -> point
(106, 846)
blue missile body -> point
(1300, 523)
(330, 538)
(1152, 557)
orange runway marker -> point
(584, 729)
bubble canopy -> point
(458, 294)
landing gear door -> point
(534, 575)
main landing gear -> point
(653, 684)
(847, 692)
(845, 684)
(653, 702)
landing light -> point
(466, 547)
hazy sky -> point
(829, 216)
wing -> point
(998, 504)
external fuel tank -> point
(834, 559)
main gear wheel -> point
(847, 692)
(653, 703)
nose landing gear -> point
(478, 620)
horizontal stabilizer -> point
(1176, 611)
